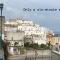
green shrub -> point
(43, 46)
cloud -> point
(13, 8)
(4, 1)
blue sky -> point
(14, 8)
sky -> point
(49, 19)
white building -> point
(14, 40)
(10, 26)
(39, 39)
(29, 28)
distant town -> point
(19, 32)
(22, 39)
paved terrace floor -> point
(41, 55)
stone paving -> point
(42, 55)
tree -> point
(26, 44)
(43, 46)
(35, 45)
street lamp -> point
(1, 48)
(1, 8)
